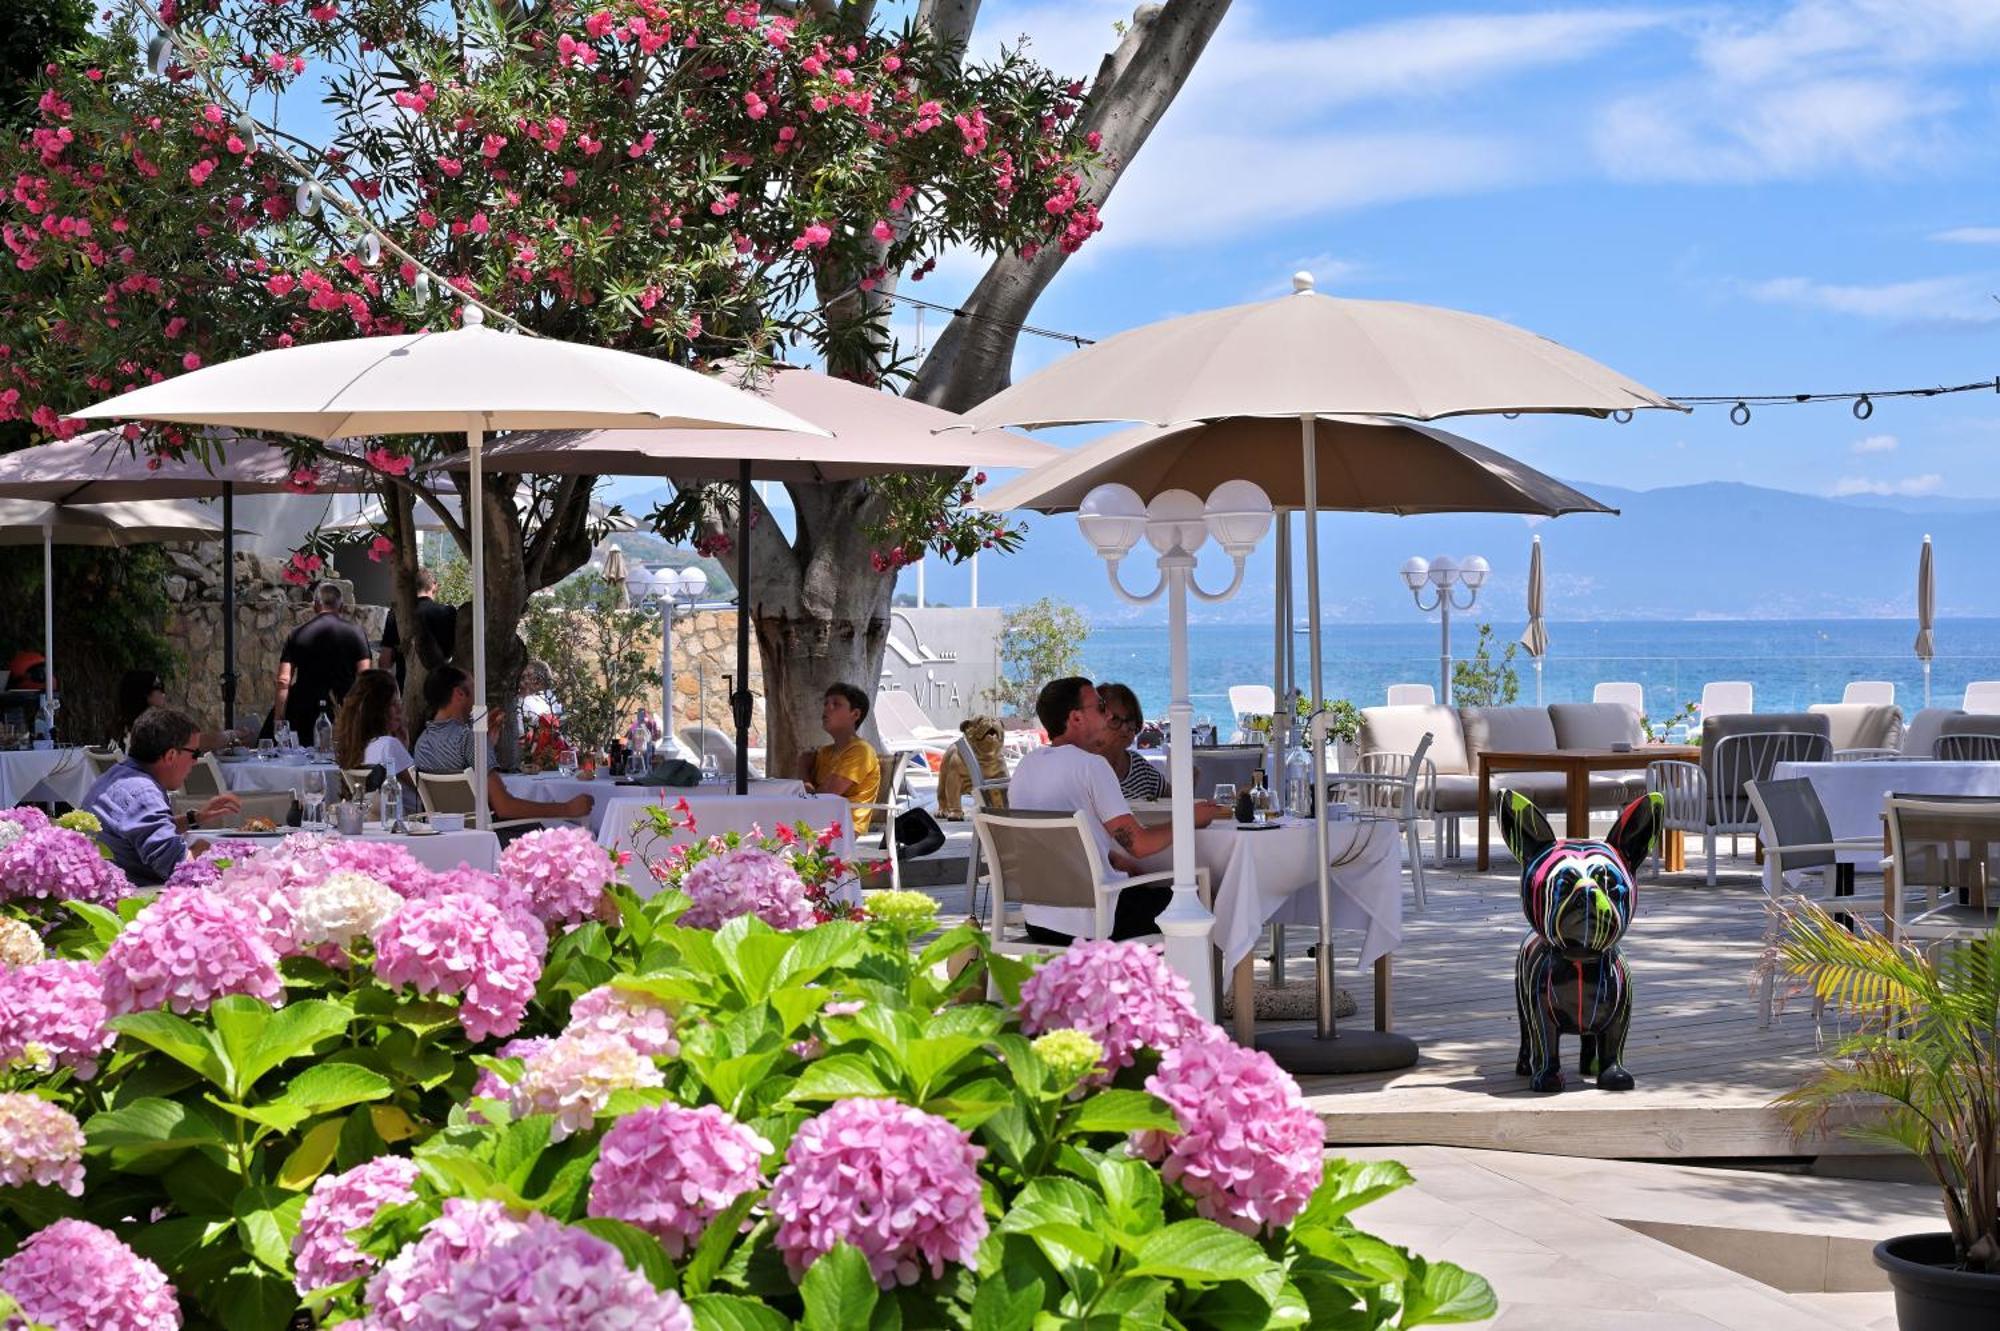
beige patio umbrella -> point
(1536, 636)
(614, 573)
(865, 432)
(1299, 357)
(470, 380)
(1926, 612)
(104, 467)
(37, 522)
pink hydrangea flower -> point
(562, 870)
(574, 1076)
(641, 1020)
(75, 1276)
(57, 1008)
(744, 881)
(462, 945)
(489, 1086)
(184, 951)
(468, 881)
(897, 1183)
(59, 864)
(40, 1144)
(26, 817)
(1249, 1150)
(670, 1170)
(322, 1252)
(478, 1266)
(1123, 995)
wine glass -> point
(635, 764)
(267, 749)
(711, 770)
(312, 789)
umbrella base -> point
(1302, 1051)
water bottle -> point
(323, 732)
(1298, 781)
(45, 723)
(392, 805)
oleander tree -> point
(694, 179)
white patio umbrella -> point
(469, 381)
(1926, 612)
(1301, 356)
(37, 522)
(1536, 636)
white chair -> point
(1412, 695)
(1725, 698)
(103, 760)
(1798, 840)
(904, 726)
(1943, 848)
(989, 795)
(1251, 700)
(891, 800)
(1982, 695)
(1631, 694)
(451, 792)
(1401, 788)
(1877, 692)
(204, 780)
(1708, 797)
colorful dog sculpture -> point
(1569, 978)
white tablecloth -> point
(556, 789)
(447, 850)
(254, 774)
(715, 814)
(64, 772)
(1851, 793)
(1265, 877)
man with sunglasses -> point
(140, 828)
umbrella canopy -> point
(1926, 646)
(1536, 636)
(1366, 464)
(468, 380)
(1313, 353)
(36, 522)
(371, 518)
(866, 432)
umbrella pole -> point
(49, 613)
(1325, 1048)
(739, 702)
(228, 605)
(476, 505)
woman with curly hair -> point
(369, 730)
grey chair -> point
(1400, 788)
(1798, 839)
(1970, 738)
(1920, 735)
(1736, 749)
(1949, 850)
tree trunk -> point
(401, 512)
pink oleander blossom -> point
(184, 951)
(322, 1252)
(52, 1013)
(897, 1183)
(642, 1021)
(480, 1268)
(74, 1276)
(40, 1144)
(1249, 1150)
(562, 870)
(60, 865)
(1123, 995)
(574, 1076)
(462, 945)
(746, 881)
(670, 1170)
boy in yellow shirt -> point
(848, 766)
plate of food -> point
(251, 827)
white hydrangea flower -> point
(340, 908)
(20, 945)
(574, 1077)
(10, 832)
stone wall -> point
(705, 651)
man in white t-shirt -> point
(1068, 776)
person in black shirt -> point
(437, 628)
(319, 662)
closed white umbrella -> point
(471, 381)
(1303, 356)
(1926, 612)
(1536, 636)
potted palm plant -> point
(1924, 1046)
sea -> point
(1789, 663)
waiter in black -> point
(437, 632)
(319, 662)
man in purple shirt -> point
(140, 827)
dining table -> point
(622, 829)
(437, 851)
(1576, 767)
(56, 774)
(557, 788)
(1852, 793)
(253, 775)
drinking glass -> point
(566, 761)
(267, 749)
(312, 788)
(1225, 793)
(635, 765)
(711, 770)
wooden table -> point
(1576, 765)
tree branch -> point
(1134, 87)
(948, 21)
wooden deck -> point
(1706, 1073)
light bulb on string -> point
(1863, 408)
(160, 53)
(371, 249)
(306, 198)
(1740, 414)
(246, 130)
(422, 287)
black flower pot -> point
(1932, 1294)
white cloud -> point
(1928, 483)
(1969, 235)
(1874, 443)
(1847, 34)
(1961, 299)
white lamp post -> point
(667, 591)
(1112, 518)
(1442, 575)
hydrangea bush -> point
(312, 1087)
